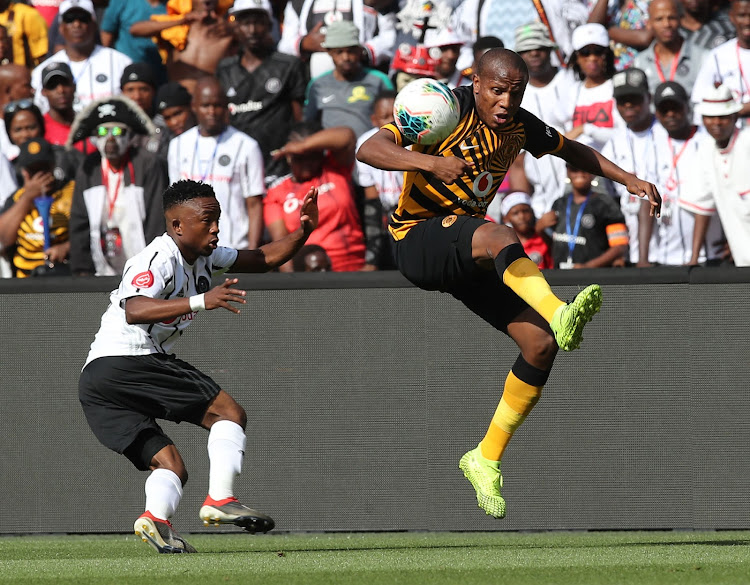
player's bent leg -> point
(569, 320)
(226, 447)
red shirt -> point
(57, 133)
(538, 250)
(339, 231)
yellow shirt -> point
(28, 31)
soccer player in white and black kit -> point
(130, 379)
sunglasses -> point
(72, 15)
(103, 131)
(596, 51)
(13, 107)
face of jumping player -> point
(498, 95)
(196, 225)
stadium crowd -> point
(107, 103)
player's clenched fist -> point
(222, 295)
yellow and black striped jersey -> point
(30, 240)
(492, 153)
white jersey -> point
(543, 101)
(96, 77)
(158, 272)
(593, 108)
(388, 183)
(634, 152)
(728, 64)
(673, 244)
(232, 164)
(719, 182)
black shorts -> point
(123, 395)
(436, 255)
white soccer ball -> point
(426, 111)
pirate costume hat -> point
(114, 108)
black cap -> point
(56, 70)
(670, 91)
(170, 95)
(138, 72)
(35, 151)
(115, 108)
(629, 82)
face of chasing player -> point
(498, 95)
(194, 226)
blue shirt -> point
(117, 20)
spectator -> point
(266, 89)
(547, 84)
(117, 205)
(34, 220)
(589, 112)
(59, 90)
(729, 63)
(339, 230)
(676, 139)
(719, 182)
(670, 57)
(412, 62)
(27, 31)
(311, 258)
(344, 96)
(174, 115)
(447, 47)
(482, 45)
(305, 29)
(633, 148)
(517, 212)
(195, 36)
(704, 25)
(96, 69)
(229, 160)
(119, 16)
(15, 85)
(139, 84)
(625, 21)
(24, 121)
(382, 190)
(590, 230)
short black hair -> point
(489, 42)
(386, 94)
(186, 190)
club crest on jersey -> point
(483, 184)
(144, 279)
(449, 220)
(202, 284)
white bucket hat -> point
(718, 101)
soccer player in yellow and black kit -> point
(443, 242)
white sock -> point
(226, 447)
(163, 493)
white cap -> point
(243, 5)
(444, 38)
(86, 5)
(718, 101)
(513, 199)
(591, 33)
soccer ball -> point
(426, 111)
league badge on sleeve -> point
(143, 280)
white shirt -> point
(595, 108)
(157, 272)
(727, 64)
(232, 164)
(95, 78)
(673, 245)
(634, 152)
(720, 183)
(388, 183)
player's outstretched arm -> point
(144, 310)
(276, 253)
(382, 152)
(589, 160)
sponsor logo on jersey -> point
(143, 280)
(248, 106)
(273, 85)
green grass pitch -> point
(597, 558)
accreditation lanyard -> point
(197, 159)
(672, 183)
(673, 70)
(112, 198)
(743, 81)
(573, 233)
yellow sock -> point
(524, 278)
(516, 403)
